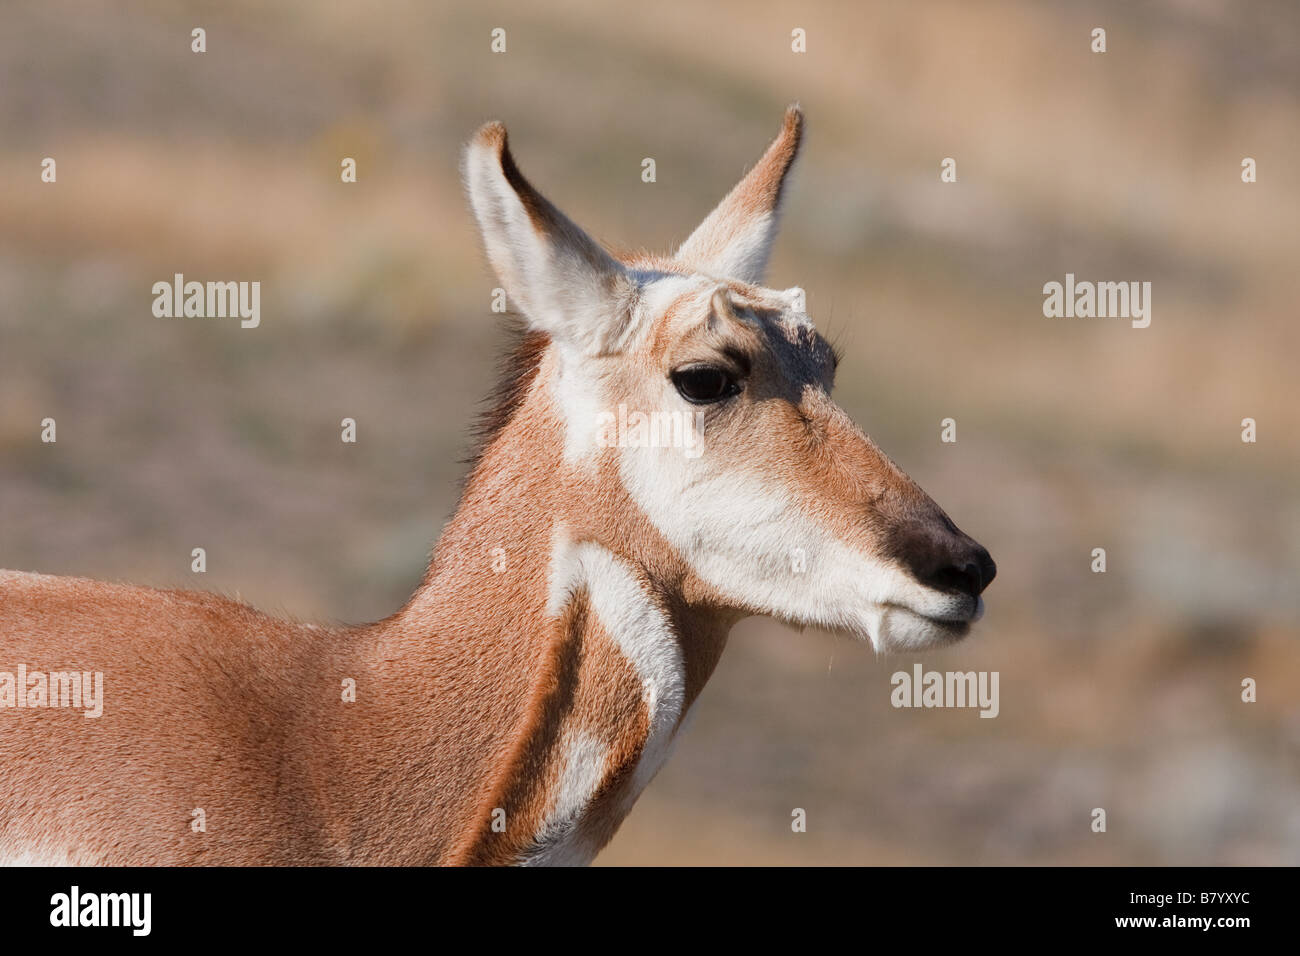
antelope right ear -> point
(561, 278)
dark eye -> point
(704, 384)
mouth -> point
(903, 628)
(960, 617)
(952, 629)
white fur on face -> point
(576, 381)
(750, 541)
(579, 396)
(757, 543)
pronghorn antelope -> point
(573, 609)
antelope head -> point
(770, 499)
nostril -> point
(967, 579)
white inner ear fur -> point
(741, 250)
(561, 279)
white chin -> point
(898, 629)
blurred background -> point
(1118, 690)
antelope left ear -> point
(735, 240)
(561, 278)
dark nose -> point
(969, 569)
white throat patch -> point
(642, 632)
